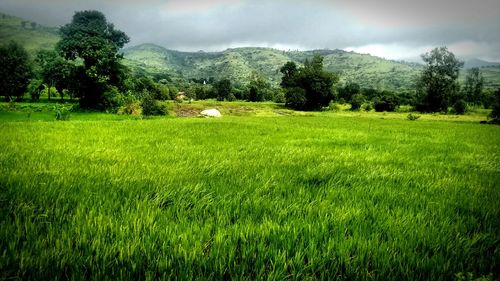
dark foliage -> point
(15, 71)
(315, 84)
(356, 101)
(495, 113)
(222, 89)
(91, 38)
(460, 107)
(151, 107)
(438, 82)
(386, 101)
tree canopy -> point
(15, 70)
(438, 81)
(308, 87)
(93, 40)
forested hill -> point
(31, 35)
(240, 64)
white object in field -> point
(211, 113)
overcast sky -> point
(394, 29)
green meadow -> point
(262, 193)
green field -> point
(264, 195)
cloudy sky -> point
(394, 29)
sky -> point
(392, 29)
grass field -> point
(333, 196)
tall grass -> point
(324, 197)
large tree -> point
(93, 40)
(438, 84)
(308, 87)
(15, 71)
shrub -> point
(333, 106)
(280, 96)
(387, 102)
(151, 107)
(131, 107)
(412, 117)
(356, 101)
(63, 113)
(367, 106)
(460, 107)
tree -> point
(258, 88)
(474, 82)
(348, 91)
(289, 71)
(223, 89)
(386, 101)
(54, 71)
(35, 89)
(15, 71)
(356, 101)
(315, 82)
(438, 81)
(495, 113)
(91, 38)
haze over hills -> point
(31, 35)
(239, 64)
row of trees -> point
(86, 65)
(311, 87)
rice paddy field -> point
(329, 196)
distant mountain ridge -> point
(480, 63)
(31, 35)
(239, 64)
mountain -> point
(480, 63)
(239, 64)
(31, 35)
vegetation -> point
(473, 88)
(309, 87)
(249, 198)
(348, 193)
(91, 38)
(438, 82)
(15, 71)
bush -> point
(386, 102)
(366, 106)
(112, 99)
(35, 89)
(460, 107)
(280, 96)
(131, 107)
(356, 101)
(333, 106)
(151, 107)
(63, 113)
(412, 117)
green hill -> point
(31, 35)
(238, 65)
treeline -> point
(86, 66)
